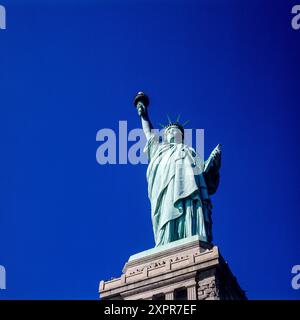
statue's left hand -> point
(216, 156)
(214, 160)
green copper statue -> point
(179, 184)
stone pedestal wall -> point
(195, 269)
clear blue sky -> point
(70, 68)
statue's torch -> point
(141, 102)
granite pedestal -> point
(188, 269)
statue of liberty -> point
(179, 183)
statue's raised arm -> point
(141, 102)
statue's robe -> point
(179, 186)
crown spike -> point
(170, 121)
(186, 122)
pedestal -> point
(188, 269)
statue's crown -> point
(175, 124)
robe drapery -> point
(179, 185)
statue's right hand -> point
(141, 110)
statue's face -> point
(173, 135)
